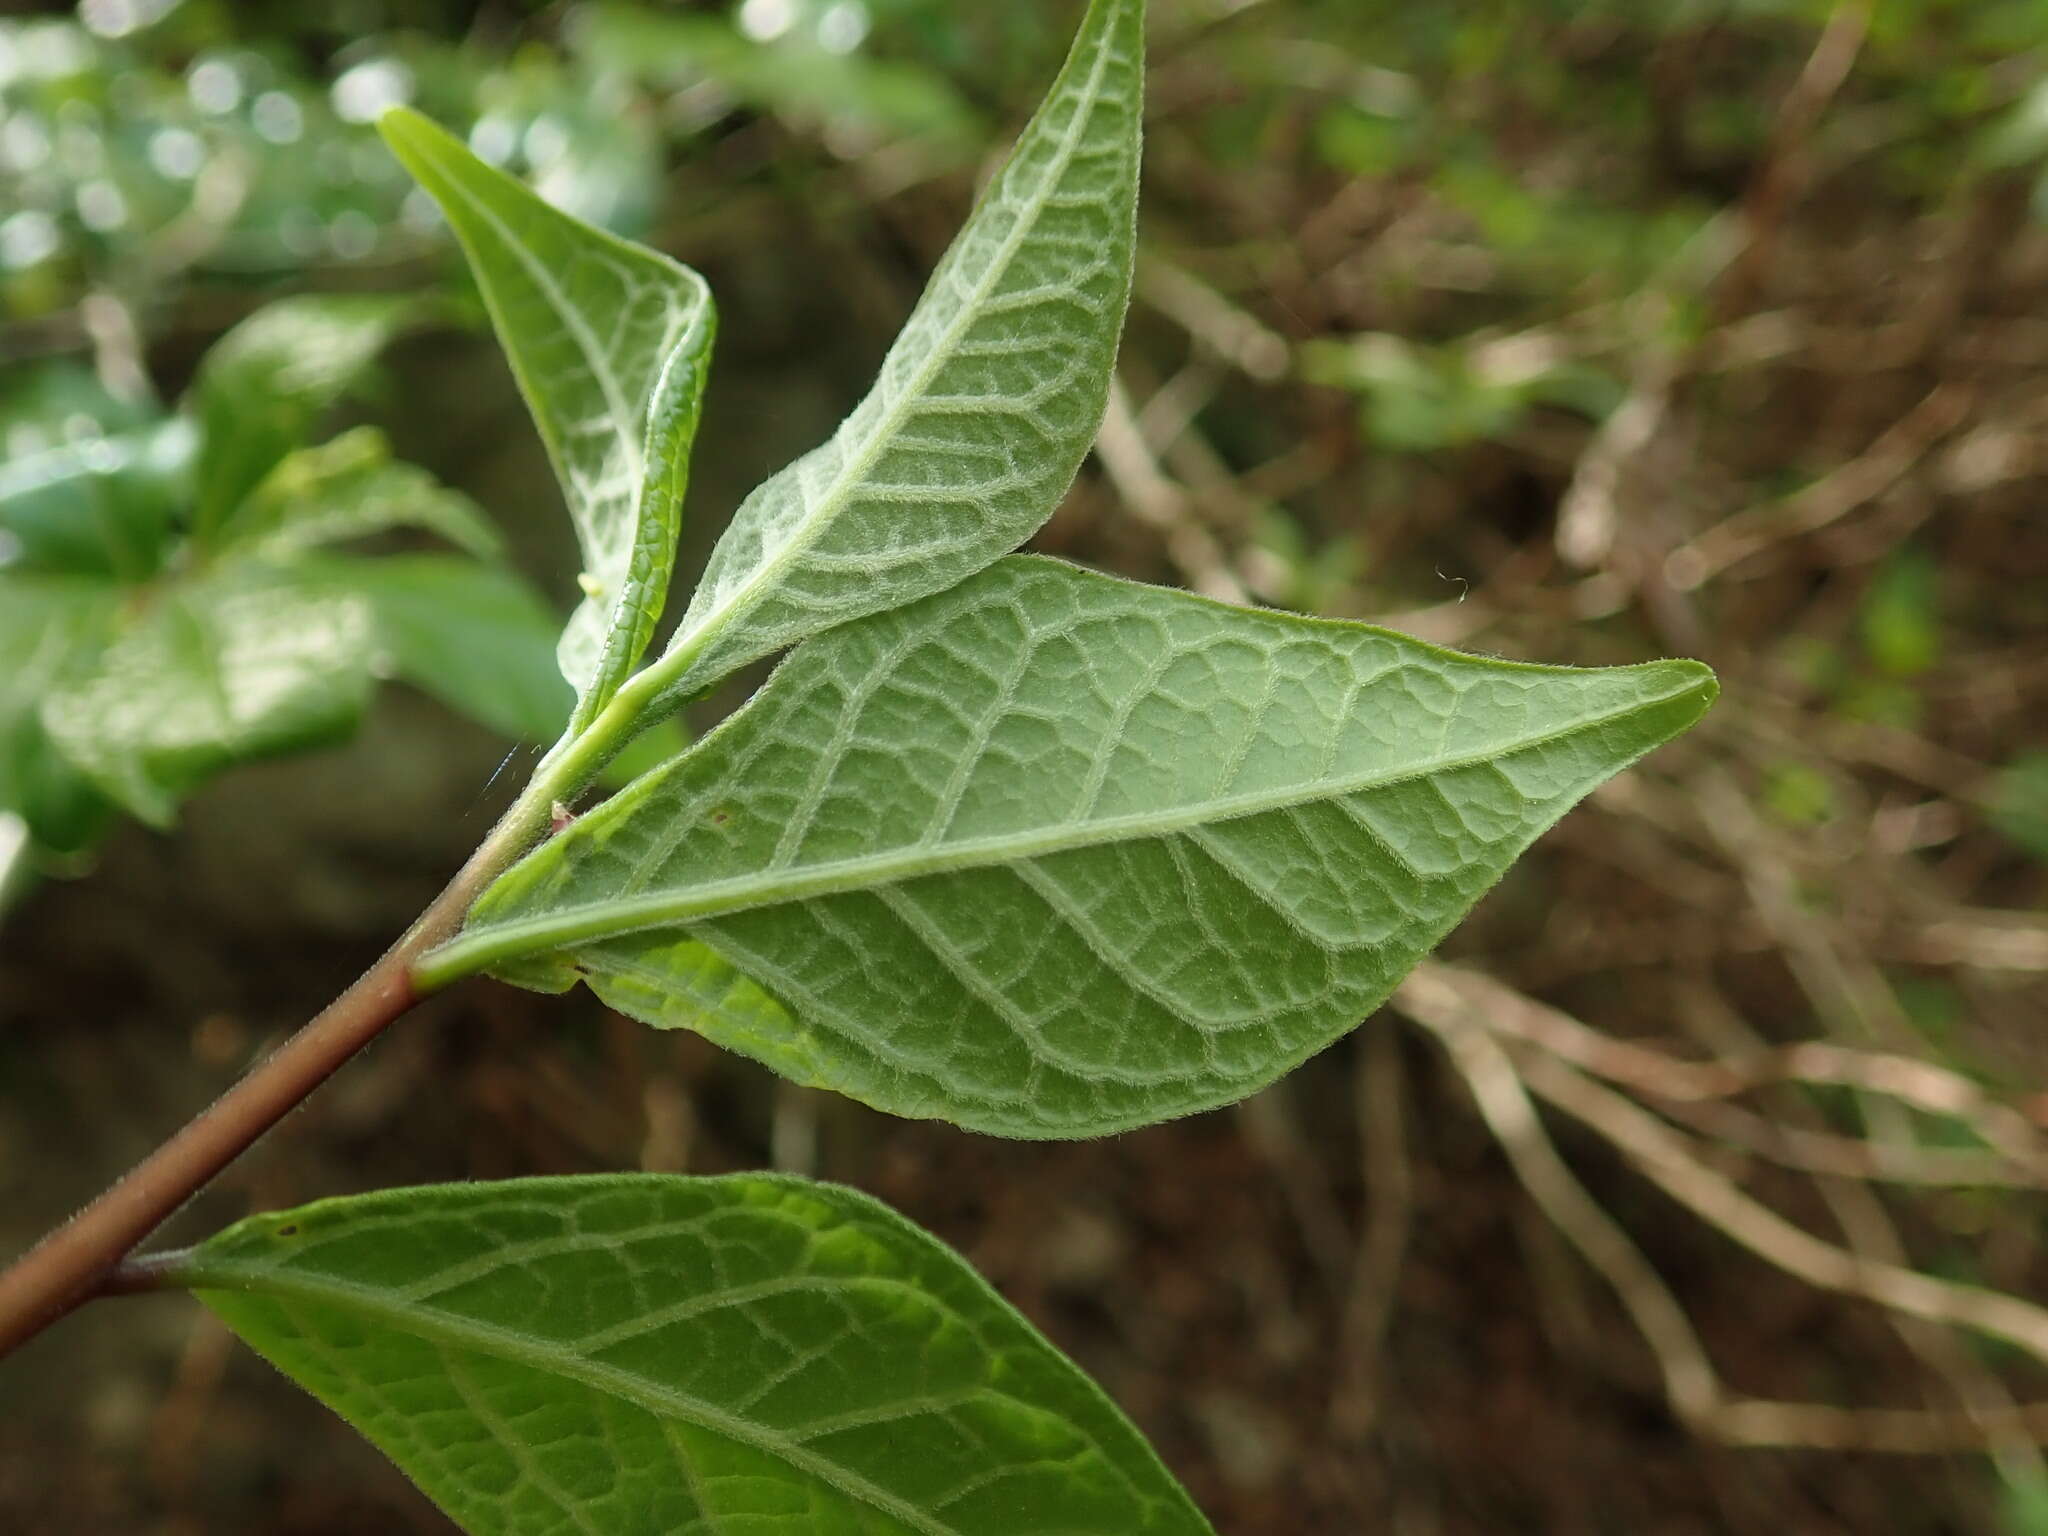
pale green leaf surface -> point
(651, 1355)
(349, 488)
(263, 385)
(1053, 854)
(241, 664)
(610, 343)
(474, 636)
(986, 404)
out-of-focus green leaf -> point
(263, 385)
(2023, 1501)
(243, 663)
(1900, 616)
(49, 625)
(578, 137)
(351, 487)
(651, 1355)
(1418, 399)
(104, 506)
(610, 342)
(2019, 803)
(1800, 795)
(44, 406)
(475, 636)
(2021, 135)
(1368, 143)
(792, 77)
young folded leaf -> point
(610, 342)
(642, 1355)
(1054, 854)
(985, 405)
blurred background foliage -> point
(1575, 330)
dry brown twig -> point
(1868, 1228)
(1462, 1009)
(1162, 504)
(1787, 164)
(1834, 496)
(2011, 1135)
(1232, 335)
(1381, 1091)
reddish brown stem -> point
(67, 1267)
(82, 1258)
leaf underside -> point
(651, 1355)
(610, 343)
(1055, 854)
(985, 405)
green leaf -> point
(263, 385)
(641, 1355)
(1053, 854)
(42, 404)
(985, 405)
(242, 663)
(105, 506)
(792, 76)
(49, 626)
(474, 636)
(610, 343)
(2018, 803)
(349, 488)
(1900, 615)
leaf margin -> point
(215, 1282)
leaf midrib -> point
(696, 638)
(589, 921)
(441, 1328)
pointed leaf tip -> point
(985, 405)
(1151, 853)
(610, 343)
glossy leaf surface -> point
(103, 507)
(475, 636)
(50, 626)
(986, 403)
(1053, 854)
(650, 1355)
(794, 78)
(610, 342)
(243, 664)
